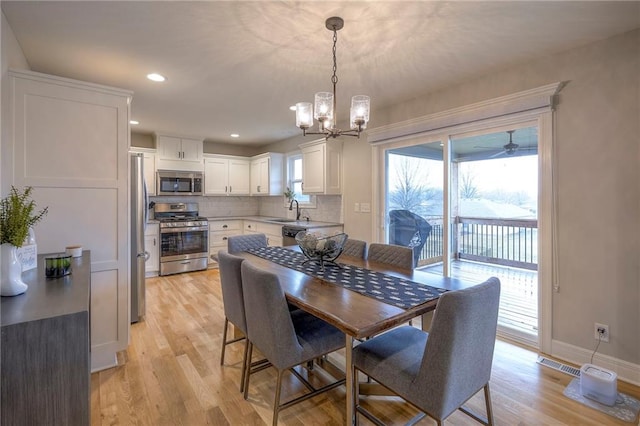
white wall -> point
(598, 163)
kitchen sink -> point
(282, 220)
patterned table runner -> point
(392, 290)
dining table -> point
(357, 314)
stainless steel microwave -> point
(171, 182)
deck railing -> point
(510, 242)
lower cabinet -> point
(273, 233)
(152, 246)
(219, 231)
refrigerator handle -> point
(146, 203)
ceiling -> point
(236, 66)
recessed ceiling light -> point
(234, 135)
(156, 77)
(134, 122)
(292, 107)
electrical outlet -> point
(601, 331)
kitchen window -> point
(294, 181)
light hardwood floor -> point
(171, 375)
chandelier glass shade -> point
(324, 108)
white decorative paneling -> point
(84, 216)
(53, 128)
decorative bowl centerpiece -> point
(320, 248)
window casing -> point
(294, 181)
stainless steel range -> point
(184, 238)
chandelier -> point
(325, 103)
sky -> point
(508, 174)
(512, 174)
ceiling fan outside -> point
(511, 147)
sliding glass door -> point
(467, 204)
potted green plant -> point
(289, 194)
(17, 215)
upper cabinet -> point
(266, 174)
(175, 153)
(149, 168)
(322, 167)
(226, 175)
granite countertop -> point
(281, 221)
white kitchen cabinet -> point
(272, 231)
(70, 143)
(152, 246)
(322, 167)
(176, 153)
(219, 232)
(266, 174)
(149, 168)
(225, 175)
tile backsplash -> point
(328, 207)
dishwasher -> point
(289, 234)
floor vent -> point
(559, 366)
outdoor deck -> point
(519, 291)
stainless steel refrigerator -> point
(139, 256)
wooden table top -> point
(355, 314)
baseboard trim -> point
(626, 371)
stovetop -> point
(183, 221)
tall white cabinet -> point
(69, 140)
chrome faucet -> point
(297, 208)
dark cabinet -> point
(45, 366)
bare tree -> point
(468, 187)
(411, 190)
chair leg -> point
(246, 365)
(276, 402)
(248, 370)
(487, 400)
(224, 340)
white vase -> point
(11, 283)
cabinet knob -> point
(225, 226)
(224, 238)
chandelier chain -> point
(334, 78)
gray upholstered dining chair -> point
(355, 248)
(238, 243)
(233, 303)
(286, 339)
(439, 371)
(391, 254)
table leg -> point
(350, 419)
(426, 320)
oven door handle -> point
(183, 229)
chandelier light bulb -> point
(304, 114)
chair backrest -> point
(231, 283)
(269, 324)
(459, 352)
(391, 255)
(355, 248)
(238, 243)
